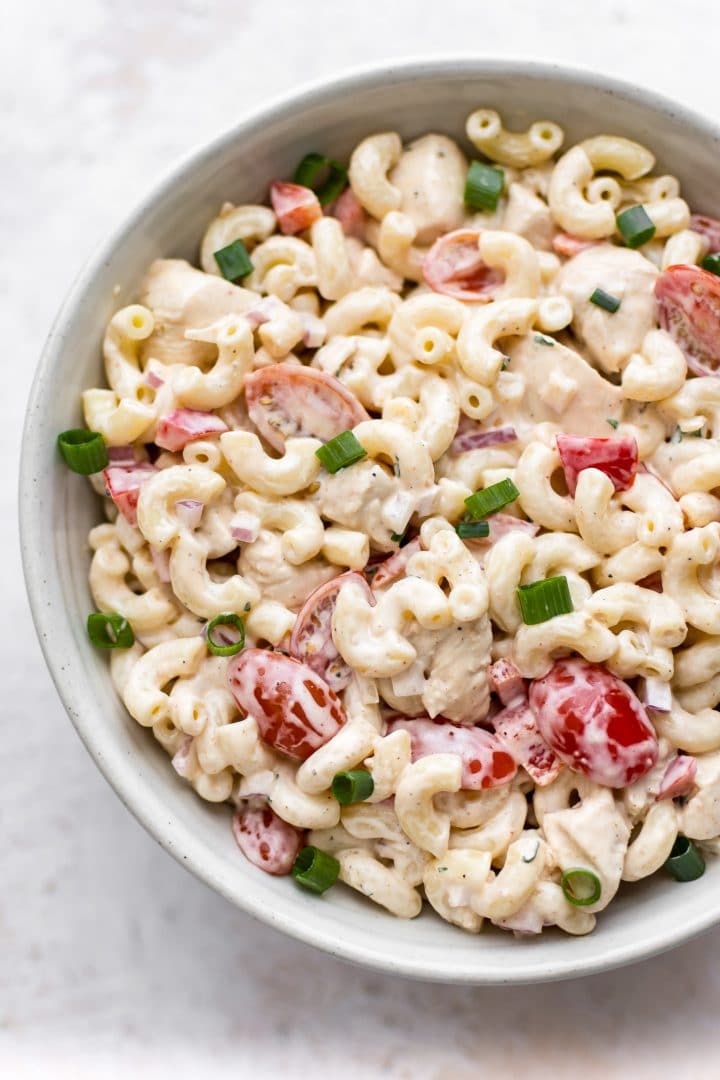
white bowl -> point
(57, 508)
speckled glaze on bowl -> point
(412, 97)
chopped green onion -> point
(614, 424)
(491, 499)
(483, 186)
(340, 452)
(226, 618)
(581, 887)
(635, 226)
(353, 786)
(711, 262)
(685, 863)
(605, 300)
(544, 600)
(108, 630)
(397, 538)
(540, 339)
(472, 530)
(315, 869)
(234, 261)
(313, 166)
(83, 451)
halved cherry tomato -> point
(183, 426)
(311, 640)
(689, 305)
(507, 682)
(287, 400)
(296, 712)
(594, 722)
(393, 568)
(709, 227)
(678, 778)
(266, 840)
(453, 266)
(347, 208)
(616, 457)
(568, 245)
(517, 731)
(124, 483)
(296, 207)
(486, 763)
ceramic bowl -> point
(57, 508)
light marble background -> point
(114, 962)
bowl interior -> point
(412, 99)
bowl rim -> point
(178, 840)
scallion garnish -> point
(605, 300)
(685, 863)
(108, 630)
(352, 786)
(225, 648)
(314, 166)
(483, 186)
(711, 262)
(83, 451)
(234, 261)
(340, 452)
(635, 226)
(397, 538)
(581, 887)
(491, 499)
(472, 530)
(544, 600)
(614, 424)
(315, 869)
(540, 339)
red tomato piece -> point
(708, 227)
(616, 457)
(183, 426)
(124, 483)
(678, 778)
(296, 207)
(287, 400)
(453, 266)
(266, 840)
(393, 568)
(507, 682)
(594, 722)
(486, 762)
(296, 711)
(349, 212)
(517, 731)
(311, 640)
(689, 307)
(568, 245)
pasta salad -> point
(412, 523)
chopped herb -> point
(605, 300)
(396, 466)
(540, 339)
(635, 226)
(397, 538)
(534, 854)
(613, 423)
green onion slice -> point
(352, 786)
(685, 863)
(397, 538)
(491, 499)
(108, 630)
(472, 530)
(225, 648)
(711, 262)
(540, 339)
(314, 166)
(234, 261)
(581, 887)
(315, 870)
(635, 226)
(83, 451)
(605, 300)
(340, 452)
(483, 186)
(614, 424)
(544, 600)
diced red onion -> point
(245, 528)
(265, 310)
(657, 695)
(181, 759)
(153, 379)
(189, 511)
(121, 455)
(477, 440)
(315, 331)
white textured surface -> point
(114, 961)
